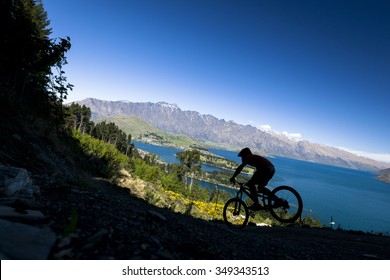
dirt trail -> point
(111, 224)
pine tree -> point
(27, 56)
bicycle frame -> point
(243, 189)
(261, 196)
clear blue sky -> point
(319, 70)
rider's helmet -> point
(244, 152)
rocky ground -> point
(102, 221)
(114, 225)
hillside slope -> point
(93, 219)
(112, 224)
(171, 118)
(143, 131)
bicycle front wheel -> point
(286, 204)
(235, 213)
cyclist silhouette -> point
(265, 170)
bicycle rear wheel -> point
(235, 213)
(289, 208)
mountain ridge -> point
(170, 118)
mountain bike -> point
(284, 204)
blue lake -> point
(166, 154)
(354, 199)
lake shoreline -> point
(327, 191)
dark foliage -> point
(28, 57)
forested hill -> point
(171, 118)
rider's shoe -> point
(255, 207)
(281, 203)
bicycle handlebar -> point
(241, 184)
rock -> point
(25, 242)
(263, 225)
(157, 215)
(13, 179)
(164, 254)
(145, 246)
(64, 254)
(27, 216)
(23, 232)
(95, 239)
(17, 137)
(370, 257)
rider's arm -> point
(238, 171)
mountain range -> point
(170, 118)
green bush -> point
(150, 173)
(171, 182)
(93, 147)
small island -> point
(212, 159)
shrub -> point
(93, 147)
(150, 173)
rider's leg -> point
(252, 187)
(263, 180)
(264, 190)
(277, 202)
(254, 193)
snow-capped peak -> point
(168, 105)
